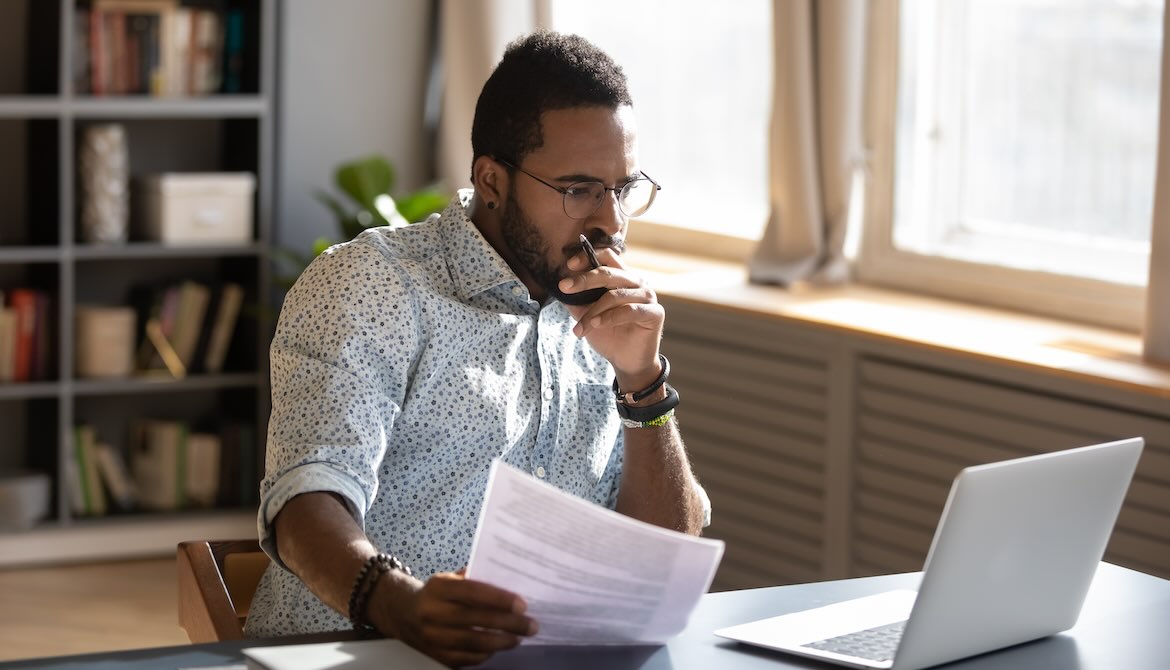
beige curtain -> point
(816, 140)
(473, 35)
(1156, 336)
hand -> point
(454, 620)
(625, 324)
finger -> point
(450, 614)
(481, 595)
(622, 307)
(603, 277)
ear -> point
(490, 180)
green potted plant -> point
(367, 183)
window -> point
(701, 77)
(1024, 151)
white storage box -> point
(196, 208)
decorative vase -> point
(103, 174)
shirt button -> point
(540, 471)
(517, 290)
(548, 394)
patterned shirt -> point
(403, 363)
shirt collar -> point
(475, 265)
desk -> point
(1124, 624)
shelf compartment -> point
(29, 182)
(31, 422)
(29, 47)
(162, 145)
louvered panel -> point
(793, 460)
(882, 559)
(1148, 493)
(993, 399)
(766, 428)
(927, 463)
(751, 374)
(770, 515)
(911, 539)
(728, 486)
(914, 515)
(779, 568)
(735, 332)
(1129, 544)
(963, 451)
(753, 418)
(929, 494)
(917, 427)
(1150, 521)
(952, 416)
(767, 539)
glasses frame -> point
(564, 191)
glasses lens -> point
(583, 198)
(636, 197)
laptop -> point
(1012, 559)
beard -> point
(532, 251)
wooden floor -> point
(84, 608)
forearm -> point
(321, 543)
(657, 485)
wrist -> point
(642, 378)
(637, 390)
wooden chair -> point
(216, 582)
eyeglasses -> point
(583, 198)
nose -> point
(609, 216)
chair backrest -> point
(216, 581)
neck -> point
(489, 224)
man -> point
(406, 360)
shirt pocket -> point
(597, 427)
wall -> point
(352, 80)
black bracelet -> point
(628, 398)
(643, 415)
(367, 578)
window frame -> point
(880, 262)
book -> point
(202, 471)
(7, 343)
(158, 463)
(191, 310)
(222, 324)
(116, 477)
(85, 454)
(24, 302)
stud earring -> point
(491, 205)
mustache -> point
(599, 242)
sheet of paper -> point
(351, 655)
(589, 574)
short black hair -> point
(541, 72)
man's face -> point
(581, 144)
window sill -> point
(1096, 355)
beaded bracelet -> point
(367, 578)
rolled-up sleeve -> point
(339, 362)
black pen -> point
(590, 252)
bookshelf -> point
(43, 117)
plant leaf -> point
(419, 205)
(321, 244)
(366, 179)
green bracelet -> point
(652, 423)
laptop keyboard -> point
(874, 644)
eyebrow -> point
(573, 178)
